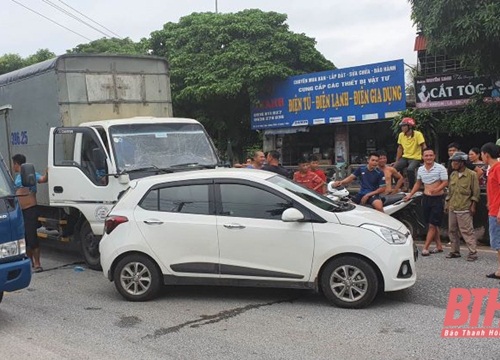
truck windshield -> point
(162, 145)
(6, 187)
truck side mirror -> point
(28, 177)
(98, 158)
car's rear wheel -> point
(137, 278)
(349, 282)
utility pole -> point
(216, 9)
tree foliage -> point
(111, 46)
(468, 30)
(11, 62)
(221, 62)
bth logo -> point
(463, 314)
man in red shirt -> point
(307, 178)
(489, 154)
(314, 163)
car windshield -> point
(161, 145)
(310, 196)
(6, 186)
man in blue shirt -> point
(372, 182)
(27, 200)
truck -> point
(95, 122)
(15, 266)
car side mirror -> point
(99, 158)
(292, 215)
(28, 177)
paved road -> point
(68, 314)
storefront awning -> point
(284, 131)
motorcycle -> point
(408, 212)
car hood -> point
(364, 215)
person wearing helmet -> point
(452, 149)
(411, 143)
(460, 204)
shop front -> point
(339, 115)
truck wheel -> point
(137, 278)
(349, 282)
(89, 247)
(1, 296)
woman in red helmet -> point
(411, 144)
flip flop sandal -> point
(435, 251)
(427, 253)
(453, 255)
(493, 276)
(38, 269)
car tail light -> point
(112, 222)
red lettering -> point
(491, 306)
(458, 300)
(479, 295)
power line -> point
(53, 21)
(66, 12)
(85, 16)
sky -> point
(348, 33)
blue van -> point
(15, 267)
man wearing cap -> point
(411, 143)
(461, 202)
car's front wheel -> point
(349, 282)
(137, 278)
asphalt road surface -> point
(71, 314)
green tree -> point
(10, 62)
(220, 63)
(468, 30)
(39, 56)
(111, 46)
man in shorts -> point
(489, 154)
(372, 182)
(434, 177)
(27, 200)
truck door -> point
(78, 168)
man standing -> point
(372, 182)
(435, 178)
(461, 201)
(489, 153)
(307, 178)
(27, 200)
(389, 174)
(273, 164)
(314, 163)
(452, 149)
(258, 160)
(411, 143)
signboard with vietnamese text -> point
(361, 93)
(453, 90)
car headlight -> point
(389, 235)
(12, 248)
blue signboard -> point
(368, 92)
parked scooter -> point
(394, 205)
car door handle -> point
(153, 222)
(234, 226)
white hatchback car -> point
(247, 227)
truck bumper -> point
(15, 275)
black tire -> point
(410, 225)
(354, 291)
(137, 278)
(1, 296)
(89, 247)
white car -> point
(246, 227)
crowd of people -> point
(453, 189)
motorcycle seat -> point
(391, 199)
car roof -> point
(227, 173)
